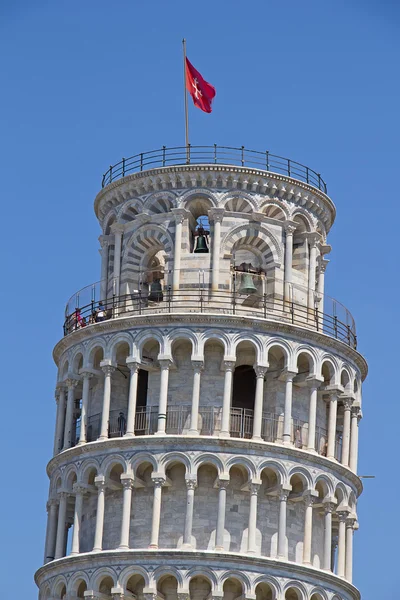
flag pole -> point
(186, 103)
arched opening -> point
(180, 388)
(89, 508)
(174, 503)
(106, 585)
(232, 589)
(212, 388)
(243, 391)
(69, 521)
(147, 392)
(316, 597)
(205, 507)
(120, 392)
(82, 588)
(61, 591)
(296, 509)
(199, 588)
(135, 586)
(113, 508)
(168, 587)
(237, 509)
(301, 400)
(264, 592)
(268, 508)
(293, 594)
(142, 503)
(199, 226)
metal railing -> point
(221, 155)
(209, 423)
(200, 300)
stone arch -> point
(240, 576)
(275, 466)
(275, 210)
(272, 582)
(77, 359)
(127, 573)
(91, 350)
(59, 584)
(345, 377)
(303, 219)
(129, 210)
(192, 194)
(256, 236)
(45, 592)
(75, 580)
(85, 469)
(166, 570)
(140, 248)
(318, 594)
(252, 339)
(218, 336)
(159, 202)
(204, 572)
(304, 474)
(208, 459)
(143, 457)
(111, 461)
(181, 334)
(63, 368)
(108, 221)
(298, 588)
(326, 484)
(100, 575)
(311, 355)
(341, 494)
(116, 341)
(328, 366)
(284, 347)
(147, 336)
(238, 201)
(244, 463)
(175, 457)
(70, 475)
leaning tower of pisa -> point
(208, 392)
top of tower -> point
(257, 171)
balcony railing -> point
(335, 321)
(209, 423)
(217, 155)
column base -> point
(224, 434)
(97, 550)
(160, 433)
(102, 438)
(153, 547)
(187, 547)
(193, 432)
(124, 547)
(81, 443)
(257, 438)
(129, 435)
(73, 553)
(312, 450)
(219, 549)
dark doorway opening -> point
(243, 395)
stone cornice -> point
(187, 559)
(297, 332)
(152, 443)
(165, 178)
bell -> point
(155, 293)
(246, 285)
(201, 245)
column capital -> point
(71, 382)
(310, 497)
(86, 373)
(165, 362)
(324, 248)
(159, 481)
(191, 484)
(228, 364)
(51, 502)
(216, 214)
(356, 411)
(222, 483)
(314, 381)
(329, 506)
(289, 227)
(107, 368)
(117, 593)
(197, 365)
(351, 522)
(100, 482)
(180, 214)
(117, 228)
(133, 364)
(313, 238)
(63, 494)
(254, 488)
(127, 481)
(322, 263)
(343, 514)
(283, 492)
(60, 387)
(79, 489)
(287, 375)
(260, 370)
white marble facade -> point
(206, 437)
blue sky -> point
(85, 83)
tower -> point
(208, 392)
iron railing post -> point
(335, 326)
(123, 167)
(110, 171)
(215, 153)
(288, 166)
(141, 161)
(267, 160)
(242, 148)
(163, 156)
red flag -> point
(201, 91)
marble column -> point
(258, 401)
(117, 230)
(69, 416)
(355, 418)
(332, 423)
(58, 437)
(108, 370)
(341, 557)
(198, 366)
(79, 492)
(322, 264)
(283, 498)
(288, 377)
(133, 366)
(313, 384)
(309, 500)
(289, 229)
(215, 215)
(326, 562)
(179, 218)
(220, 530)
(104, 266)
(127, 486)
(61, 525)
(349, 549)
(191, 485)
(347, 402)
(158, 482)
(165, 365)
(100, 483)
(87, 375)
(228, 366)
(312, 268)
(52, 508)
(252, 529)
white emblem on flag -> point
(197, 92)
